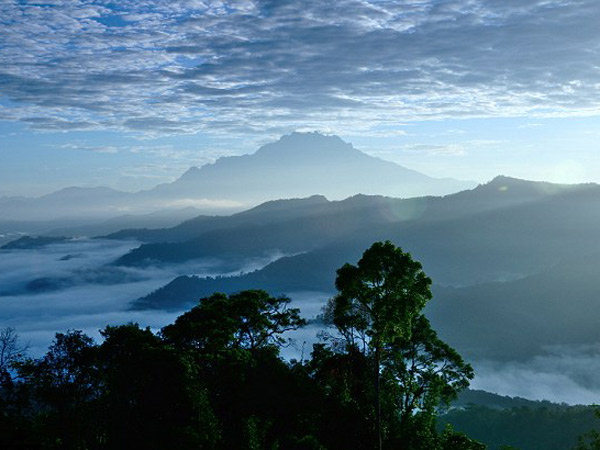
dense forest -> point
(214, 379)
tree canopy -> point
(214, 378)
(377, 311)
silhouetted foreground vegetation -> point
(214, 378)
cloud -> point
(246, 67)
(81, 292)
(88, 148)
(564, 374)
(97, 296)
(436, 150)
(58, 124)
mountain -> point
(454, 235)
(303, 164)
(11, 229)
(515, 423)
(153, 220)
(297, 165)
(71, 202)
(29, 243)
(513, 261)
(514, 319)
(259, 215)
(287, 226)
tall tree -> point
(377, 311)
(63, 385)
(377, 301)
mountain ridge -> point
(297, 165)
(486, 260)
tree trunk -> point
(379, 441)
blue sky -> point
(129, 94)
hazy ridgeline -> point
(513, 291)
(297, 165)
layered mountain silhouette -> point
(518, 318)
(467, 237)
(513, 261)
(297, 165)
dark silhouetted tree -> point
(376, 303)
(63, 385)
(377, 311)
(152, 397)
(422, 372)
(11, 352)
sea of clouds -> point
(86, 292)
(91, 294)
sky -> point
(130, 94)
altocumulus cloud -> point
(168, 67)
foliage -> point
(542, 427)
(591, 439)
(214, 379)
(62, 387)
(378, 313)
(246, 320)
(379, 297)
(422, 372)
(452, 440)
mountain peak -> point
(313, 137)
(304, 144)
(515, 190)
(288, 204)
(302, 164)
(504, 183)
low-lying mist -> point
(563, 374)
(81, 289)
(73, 285)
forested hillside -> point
(213, 379)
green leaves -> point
(379, 297)
(378, 310)
(214, 378)
(248, 320)
(423, 372)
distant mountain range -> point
(513, 261)
(502, 422)
(514, 319)
(297, 165)
(469, 237)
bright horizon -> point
(131, 95)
